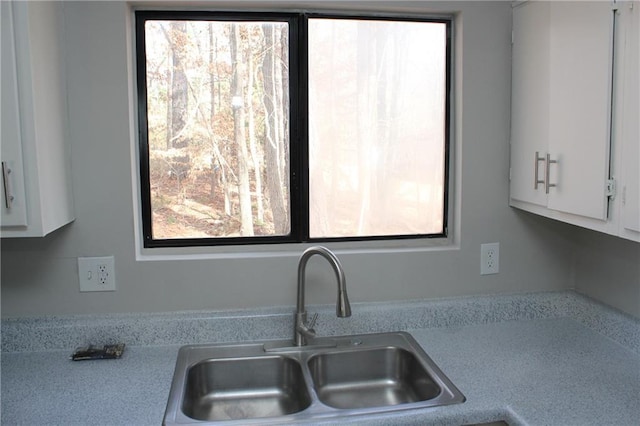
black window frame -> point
(298, 119)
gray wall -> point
(39, 276)
(608, 269)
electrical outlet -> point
(96, 273)
(489, 258)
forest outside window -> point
(269, 127)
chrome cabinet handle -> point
(536, 179)
(8, 196)
(547, 172)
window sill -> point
(295, 249)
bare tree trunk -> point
(252, 139)
(335, 170)
(272, 145)
(215, 93)
(237, 86)
(215, 166)
(366, 117)
(384, 96)
(169, 133)
(397, 85)
(284, 66)
(279, 82)
(179, 92)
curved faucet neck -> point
(343, 308)
(302, 329)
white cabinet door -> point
(14, 209)
(530, 105)
(581, 67)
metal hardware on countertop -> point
(91, 352)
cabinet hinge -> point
(611, 188)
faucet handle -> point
(313, 321)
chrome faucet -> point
(304, 330)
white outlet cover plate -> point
(90, 277)
(489, 258)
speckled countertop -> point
(538, 359)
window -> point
(286, 127)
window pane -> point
(377, 97)
(218, 128)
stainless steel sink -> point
(376, 377)
(274, 382)
(221, 389)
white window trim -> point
(257, 251)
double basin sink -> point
(274, 382)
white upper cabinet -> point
(36, 182)
(572, 84)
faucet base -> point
(278, 346)
(303, 331)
